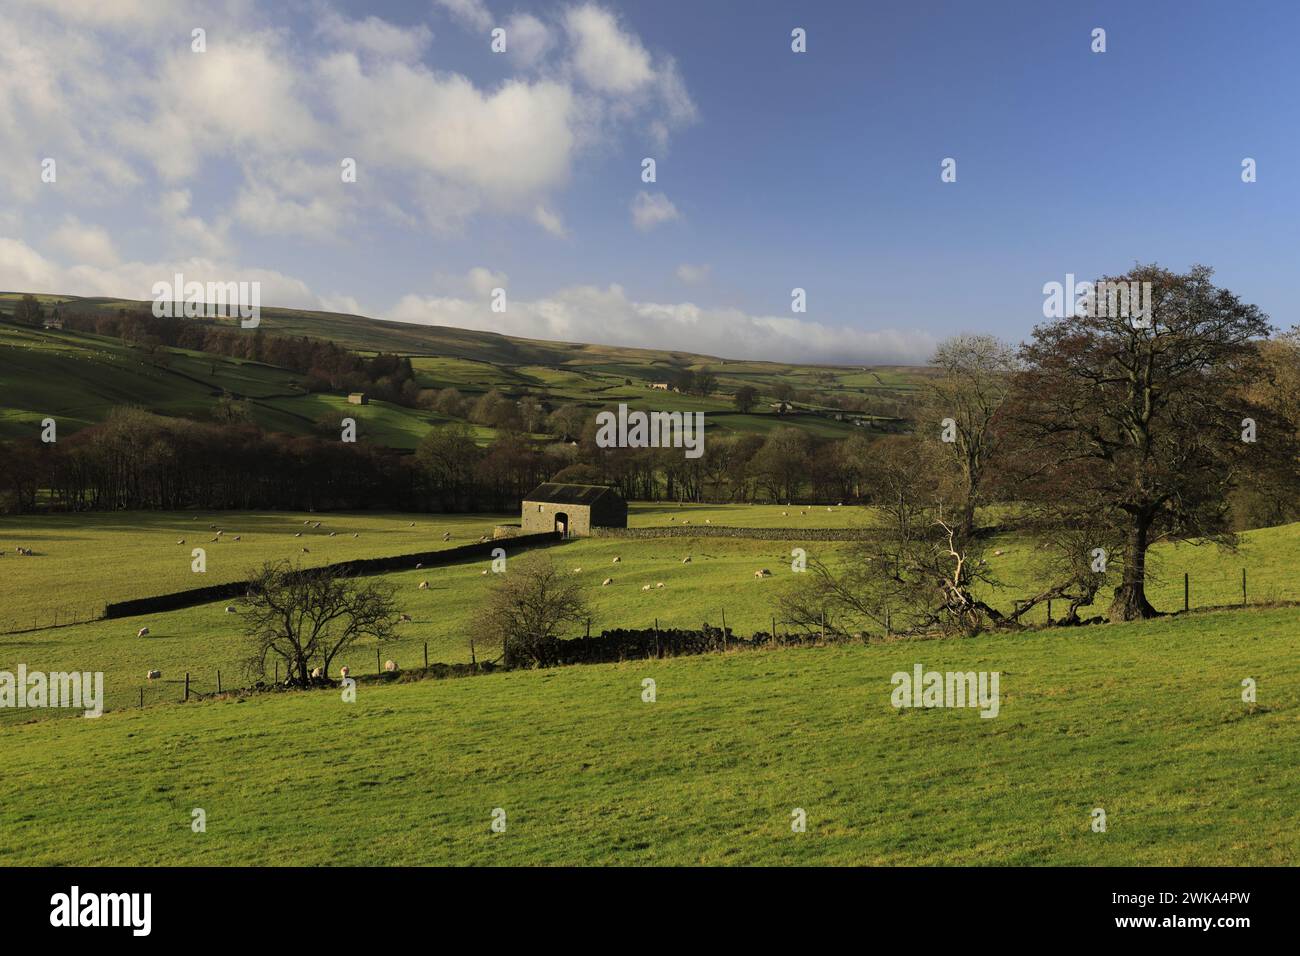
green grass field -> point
(120, 556)
(1144, 721)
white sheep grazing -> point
(390, 666)
(708, 521)
(659, 585)
(616, 560)
(446, 536)
(143, 632)
(577, 570)
(686, 560)
(230, 609)
(763, 573)
(180, 540)
(404, 617)
(316, 525)
(355, 535)
(424, 585)
(484, 571)
(305, 551)
(412, 524)
(236, 537)
(333, 533)
(153, 675)
(306, 522)
(785, 514)
(419, 565)
(645, 587)
(297, 534)
(686, 521)
(606, 582)
(315, 673)
(998, 553)
(220, 533)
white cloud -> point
(605, 56)
(23, 269)
(500, 149)
(692, 274)
(84, 243)
(470, 13)
(650, 210)
(377, 37)
(607, 316)
(527, 39)
(550, 221)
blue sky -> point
(820, 170)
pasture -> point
(1145, 721)
(82, 561)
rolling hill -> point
(77, 377)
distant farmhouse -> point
(662, 387)
(572, 510)
(358, 398)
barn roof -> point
(563, 493)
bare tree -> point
(306, 616)
(969, 389)
(528, 610)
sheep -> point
(297, 534)
(446, 536)
(708, 521)
(333, 533)
(316, 525)
(484, 571)
(153, 675)
(143, 632)
(606, 582)
(577, 570)
(997, 553)
(412, 524)
(419, 565)
(390, 666)
(645, 587)
(763, 573)
(306, 523)
(785, 514)
(355, 535)
(305, 551)
(230, 609)
(236, 537)
(616, 560)
(315, 673)
(686, 521)
(404, 617)
(220, 533)
(216, 539)
(659, 585)
(424, 585)
(180, 540)
(686, 560)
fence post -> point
(277, 672)
(473, 661)
(426, 655)
(773, 630)
(379, 667)
(141, 696)
(823, 625)
(187, 685)
(1049, 610)
(1186, 589)
(218, 682)
(1243, 587)
(724, 628)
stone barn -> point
(572, 509)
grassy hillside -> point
(38, 367)
(1145, 721)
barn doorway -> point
(562, 523)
